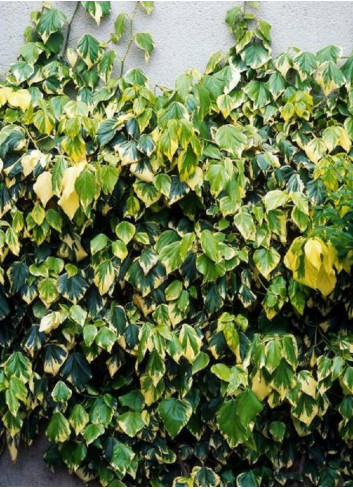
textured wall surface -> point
(31, 471)
(185, 33)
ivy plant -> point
(175, 284)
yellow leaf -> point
(345, 140)
(310, 277)
(51, 321)
(315, 150)
(43, 187)
(305, 416)
(19, 98)
(259, 386)
(308, 385)
(69, 200)
(313, 250)
(75, 148)
(16, 98)
(30, 160)
(3, 95)
(326, 281)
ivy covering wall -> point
(176, 294)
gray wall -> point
(185, 33)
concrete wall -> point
(185, 33)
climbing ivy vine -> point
(175, 285)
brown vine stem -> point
(30, 137)
(69, 28)
(123, 59)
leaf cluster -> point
(175, 289)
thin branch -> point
(30, 137)
(123, 59)
(69, 28)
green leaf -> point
(190, 341)
(209, 269)
(19, 366)
(12, 402)
(121, 457)
(85, 186)
(99, 243)
(305, 63)
(73, 453)
(221, 371)
(48, 291)
(144, 41)
(146, 144)
(17, 273)
(61, 393)
(106, 65)
(245, 224)
(89, 334)
(106, 339)
(210, 246)
(104, 276)
(232, 139)
(55, 356)
(229, 424)
(109, 177)
(119, 249)
(248, 407)
(77, 370)
(78, 314)
(275, 199)
(347, 379)
(58, 429)
(148, 7)
(258, 93)
(173, 255)
(255, 55)
(44, 121)
(119, 27)
(132, 400)
(277, 430)
(92, 431)
(131, 423)
(247, 479)
(205, 477)
(49, 22)
(125, 231)
(54, 219)
(235, 416)
(218, 177)
(175, 414)
(72, 288)
(97, 10)
(19, 389)
(329, 77)
(78, 418)
(173, 291)
(106, 131)
(89, 50)
(266, 260)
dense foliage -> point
(175, 296)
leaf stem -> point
(123, 59)
(30, 137)
(69, 28)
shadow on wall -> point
(30, 469)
